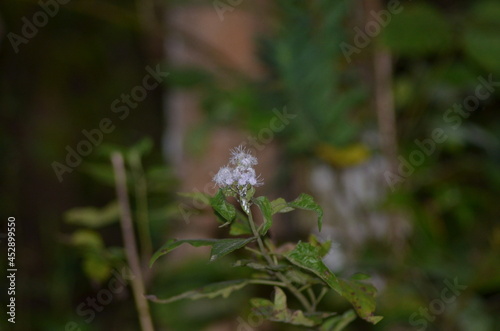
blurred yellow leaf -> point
(343, 157)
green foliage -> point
(220, 247)
(93, 217)
(296, 270)
(419, 29)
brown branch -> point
(137, 282)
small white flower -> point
(241, 172)
(224, 177)
(241, 157)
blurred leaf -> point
(102, 172)
(87, 239)
(481, 38)
(211, 291)
(188, 77)
(266, 209)
(222, 207)
(220, 247)
(280, 206)
(338, 323)
(306, 202)
(343, 157)
(199, 197)
(96, 267)
(143, 147)
(419, 29)
(360, 276)
(93, 217)
(160, 179)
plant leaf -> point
(93, 217)
(308, 257)
(306, 202)
(223, 208)
(362, 297)
(280, 206)
(338, 323)
(223, 289)
(278, 311)
(220, 247)
(267, 212)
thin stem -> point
(130, 243)
(303, 300)
(141, 197)
(267, 282)
(312, 296)
(324, 291)
(256, 252)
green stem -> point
(303, 300)
(324, 291)
(267, 282)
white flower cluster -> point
(240, 171)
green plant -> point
(291, 269)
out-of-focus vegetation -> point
(66, 78)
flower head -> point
(240, 173)
(241, 157)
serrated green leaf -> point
(223, 289)
(338, 323)
(308, 257)
(266, 209)
(223, 208)
(93, 217)
(280, 206)
(306, 202)
(220, 247)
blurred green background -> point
(366, 79)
